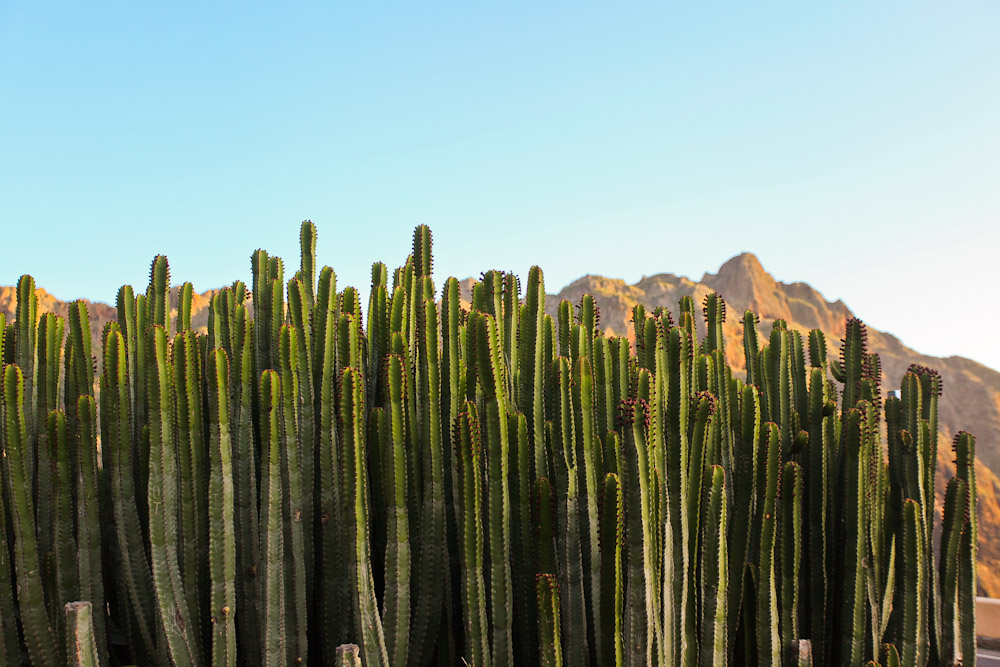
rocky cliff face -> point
(971, 399)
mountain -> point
(971, 399)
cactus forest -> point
(432, 481)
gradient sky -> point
(851, 146)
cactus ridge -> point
(420, 483)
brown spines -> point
(937, 384)
(697, 398)
(719, 299)
(626, 412)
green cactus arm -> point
(702, 425)
(544, 524)
(751, 347)
(185, 296)
(422, 250)
(498, 516)
(853, 357)
(261, 297)
(26, 341)
(768, 638)
(431, 484)
(954, 518)
(713, 640)
(639, 618)
(965, 469)
(532, 364)
(467, 445)
(378, 343)
(116, 439)
(10, 344)
(307, 264)
(677, 456)
(890, 656)
(349, 341)
(63, 580)
(396, 614)
(81, 647)
(564, 319)
(88, 526)
(715, 317)
(49, 353)
(221, 508)
(10, 641)
(324, 310)
(158, 293)
(605, 405)
(245, 460)
(191, 511)
(272, 531)
(914, 642)
(348, 655)
(816, 480)
(744, 480)
(167, 583)
(549, 639)
(854, 542)
(575, 617)
(583, 388)
(36, 627)
(335, 595)
(612, 589)
(353, 418)
(522, 563)
(300, 312)
(292, 472)
(779, 377)
(817, 349)
(790, 550)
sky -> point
(852, 145)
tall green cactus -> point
(222, 506)
(272, 533)
(175, 617)
(81, 645)
(436, 484)
(36, 627)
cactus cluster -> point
(430, 484)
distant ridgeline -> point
(472, 475)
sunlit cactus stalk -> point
(81, 644)
(550, 642)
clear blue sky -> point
(851, 145)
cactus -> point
(272, 533)
(81, 645)
(221, 501)
(175, 618)
(88, 526)
(550, 643)
(496, 485)
(714, 573)
(468, 453)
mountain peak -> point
(743, 266)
